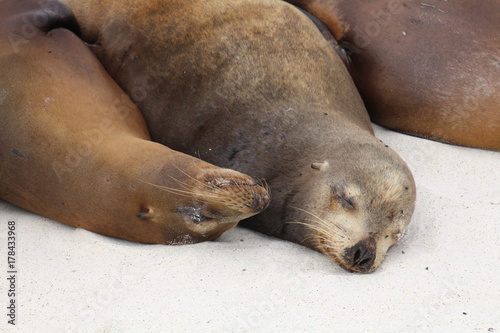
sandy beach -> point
(443, 276)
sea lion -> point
(427, 69)
(253, 85)
(74, 148)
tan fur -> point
(75, 148)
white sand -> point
(442, 277)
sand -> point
(442, 277)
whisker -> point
(322, 228)
(323, 223)
(183, 184)
(327, 244)
(191, 177)
(322, 242)
(187, 194)
(319, 218)
(308, 237)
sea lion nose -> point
(361, 256)
(260, 202)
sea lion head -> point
(202, 202)
(353, 210)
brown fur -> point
(326, 11)
(74, 148)
(253, 86)
(428, 69)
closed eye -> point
(339, 195)
(347, 203)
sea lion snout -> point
(229, 195)
(259, 203)
(361, 257)
(255, 195)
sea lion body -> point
(74, 148)
(252, 85)
(428, 69)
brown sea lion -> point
(74, 148)
(430, 69)
(253, 85)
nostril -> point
(357, 255)
(361, 256)
(366, 262)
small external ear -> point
(320, 166)
(341, 198)
(145, 214)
